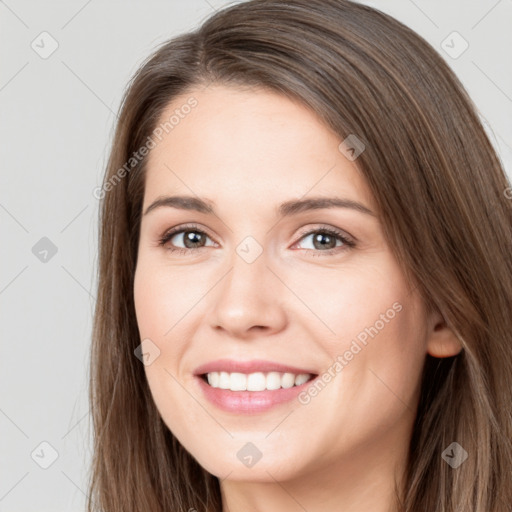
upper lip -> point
(250, 366)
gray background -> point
(57, 117)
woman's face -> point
(252, 284)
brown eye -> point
(189, 237)
(192, 239)
(325, 240)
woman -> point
(304, 276)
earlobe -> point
(442, 341)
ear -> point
(442, 341)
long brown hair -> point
(441, 192)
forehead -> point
(235, 143)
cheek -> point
(373, 370)
(359, 300)
(373, 335)
(158, 309)
(381, 345)
(162, 298)
(166, 301)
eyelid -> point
(347, 241)
(169, 233)
(326, 227)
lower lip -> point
(250, 402)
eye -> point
(191, 236)
(325, 240)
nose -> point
(248, 301)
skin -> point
(247, 151)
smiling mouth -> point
(258, 381)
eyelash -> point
(347, 243)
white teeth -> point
(288, 380)
(224, 380)
(255, 381)
(238, 382)
(273, 380)
(213, 379)
(300, 379)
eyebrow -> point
(286, 209)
